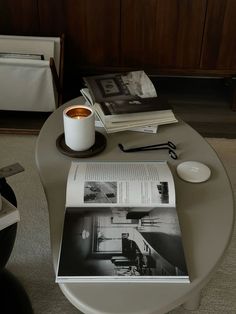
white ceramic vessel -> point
(193, 171)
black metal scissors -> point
(168, 146)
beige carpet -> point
(31, 260)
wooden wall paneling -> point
(162, 34)
(179, 33)
(18, 17)
(219, 43)
(92, 32)
(138, 21)
(51, 17)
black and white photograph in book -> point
(100, 192)
(120, 242)
(112, 86)
(163, 192)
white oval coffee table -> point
(206, 214)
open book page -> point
(86, 94)
(119, 245)
(139, 184)
(139, 84)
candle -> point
(79, 127)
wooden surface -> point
(219, 43)
(163, 36)
(93, 28)
(160, 33)
(18, 17)
(51, 17)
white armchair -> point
(31, 84)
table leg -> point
(233, 104)
(193, 302)
(231, 86)
(14, 299)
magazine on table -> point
(122, 86)
(126, 100)
(121, 224)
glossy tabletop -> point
(206, 214)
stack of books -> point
(127, 101)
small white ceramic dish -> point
(193, 171)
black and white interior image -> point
(122, 242)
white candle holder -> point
(79, 127)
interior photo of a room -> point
(122, 242)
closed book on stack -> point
(120, 115)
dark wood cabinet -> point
(219, 41)
(162, 34)
(170, 37)
(92, 32)
(51, 17)
(18, 17)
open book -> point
(126, 100)
(121, 224)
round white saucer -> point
(193, 171)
